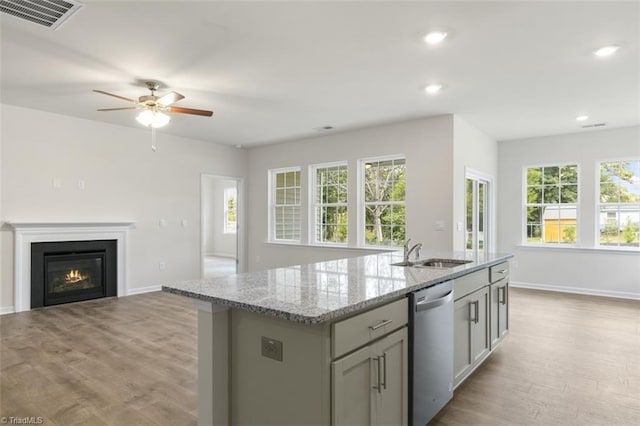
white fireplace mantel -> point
(26, 233)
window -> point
(285, 202)
(383, 188)
(552, 204)
(330, 203)
(230, 210)
(619, 204)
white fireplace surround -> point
(26, 233)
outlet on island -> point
(271, 348)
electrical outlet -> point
(81, 185)
(162, 266)
(439, 225)
(271, 348)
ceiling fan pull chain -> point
(153, 139)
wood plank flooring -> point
(569, 360)
(127, 361)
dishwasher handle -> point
(423, 306)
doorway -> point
(478, 235)
(220, 225)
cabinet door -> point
(353, 378)
(503, 319)
(462, 361)
(499, 322)
(392, 400)
(480, 341)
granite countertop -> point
(318, 292)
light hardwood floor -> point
(569, 360)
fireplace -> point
(71, 271)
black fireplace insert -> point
(71, 271)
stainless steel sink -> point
(444, 263)
(433, 263)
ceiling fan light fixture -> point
(153, 118)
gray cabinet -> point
(369, 386)
(471, 333)
(481, 317)
(499, 295)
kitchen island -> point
(269, 341)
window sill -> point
(575, 249)
(332, 246)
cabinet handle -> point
(378, 387)
(384, 371)
(382, 324)
(502, 271)
(476, 309)
(504, 295)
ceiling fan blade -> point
(115, 96)
(116, 109)
(170, 98)
(190, 111)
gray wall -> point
(428, 145)
(124, 180)
(583, 269)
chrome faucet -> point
(408, 251)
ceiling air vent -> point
(48, 13)
(589, 126)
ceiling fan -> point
(153, 107)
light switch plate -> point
(271, 348)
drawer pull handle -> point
(382, 324)
(502, 271)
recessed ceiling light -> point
(606, 51)
(582, 118)
(432, 89)
(435, 37)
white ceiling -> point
(275, 71)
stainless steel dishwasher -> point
(430, 351)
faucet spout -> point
(408, 251)
(415, 248)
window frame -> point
(362, 203)
(225, 216)
(272, 190)
(598, 205)
(526, 205)
(314, 204)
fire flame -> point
(74, 276)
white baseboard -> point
(141, 290)
(577, 290)
(227, 255)
(7, 310)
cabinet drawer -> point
(358, 330)
(499, 271)
(470, 283)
